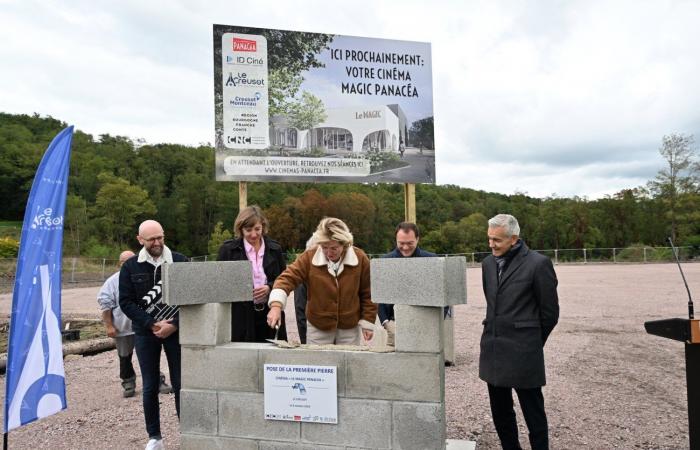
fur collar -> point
(349, 259)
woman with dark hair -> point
(249, 319)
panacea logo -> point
(244, 45)
(46, 222)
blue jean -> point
(148, 350)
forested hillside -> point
(115, 184)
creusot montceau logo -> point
(45, 220)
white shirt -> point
(108, 299)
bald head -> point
(152, 238)
(148, 227)
(126, 254)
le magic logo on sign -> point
(244, 45)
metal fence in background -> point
(601, 255)
(78, 270)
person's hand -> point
(367, 334)
(111, 331)
(261, 292)
(164, 328)
(274, 317)
(389, 326)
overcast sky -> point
(543, 97)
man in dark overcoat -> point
(522, 309)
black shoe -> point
(164, 387)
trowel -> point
(277, 332)
(279, 342)
(275, 340)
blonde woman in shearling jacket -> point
(337, 278)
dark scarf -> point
(503, 261)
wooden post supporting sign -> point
(409, 202)
(242, 195)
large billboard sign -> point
(308, 107)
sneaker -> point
(129, 386)
(164, 387)
(128, 392)
(155, 444)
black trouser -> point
(126, 368)
(532, 404)
(248, 324)
(148, 353)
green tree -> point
(76, 223)
(23, 140)
(218, 236)
(307, 113)
(118, 210)
(466, 236)
(679, 177)
(285, 86)
(423, 133)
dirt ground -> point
(610, 385)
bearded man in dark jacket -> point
(138, 277)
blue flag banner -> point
(35, 384)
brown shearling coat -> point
(332, 302)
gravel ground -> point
(610, 385)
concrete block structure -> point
(419, 281)
(390, 400)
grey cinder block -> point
(198, 411)
(448, 339)
(395, 376)
(418, 426)
(456, 280)
(439, 281)
(274, 355)
(459, 444)
(267, 445)
(239, 368)
(194, 283)
(208, 324)
(220, 368)
(418, 328)
(242, 415)
(361, 423)
(199, 442)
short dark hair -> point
(406, 227)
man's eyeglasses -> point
(154, 238)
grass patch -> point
(388, 165)
(89, 329)
(11, 229)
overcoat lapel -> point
(492, 276)
(514, 264)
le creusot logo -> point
(45, 221)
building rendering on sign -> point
(353, 129)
